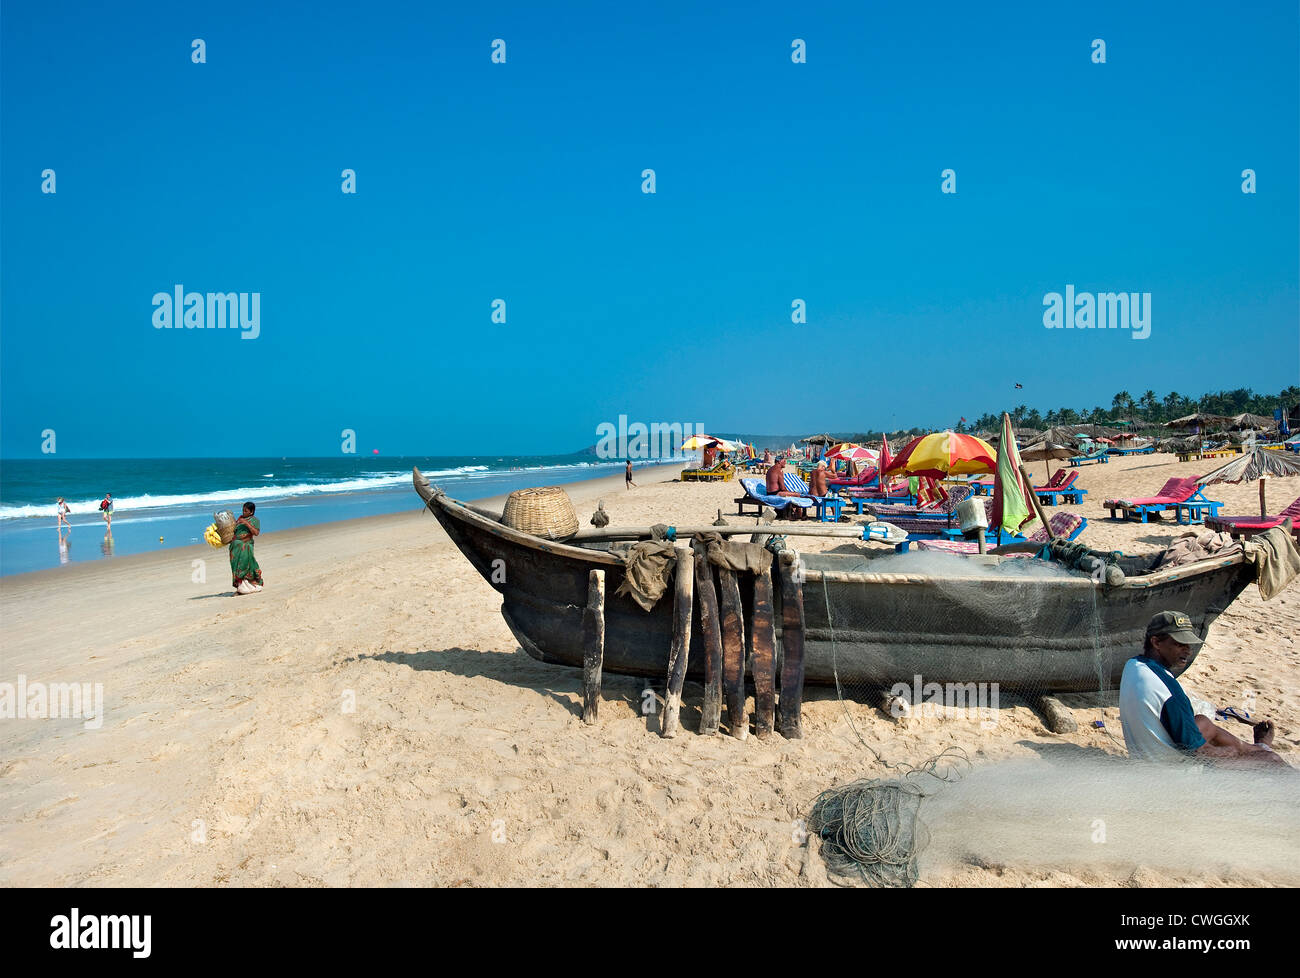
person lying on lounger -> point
(1157, 717)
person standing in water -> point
(106, 507)
(63, 511)
(246, 575)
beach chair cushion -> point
(862, 478)
(1254, 523)
(757, 489)
(1171, 493)
(1066, 526)
(956, 494)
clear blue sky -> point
(776, 181)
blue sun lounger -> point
(756, 495)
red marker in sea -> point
(374, 451)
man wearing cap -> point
(1156, 715)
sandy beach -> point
(369, 720)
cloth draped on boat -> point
(243, 565)
(1276, 559)
(751, 557)
(647, 571)
(1192, 546)
(648, 566)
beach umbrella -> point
(849, 452)
(696, 442)
(1255, 421)
(945, 453)
(1045, 451)
(853, 454)
(1259, 464)
(1198, 420)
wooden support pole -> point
(792, 642)
(1038, 507)
(711, 629)
(683, 606)
(733, 652)
(763, 665)
(593, 645)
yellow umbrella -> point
(944, 453)
(696, 442)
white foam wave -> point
(90, 507)
(372, 481)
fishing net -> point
(870, 829)
(947, 639)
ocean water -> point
(174, 499)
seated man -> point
(776, 487)
(1156, 715)
(775, 484)
(817, 481)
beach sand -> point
(369, 720)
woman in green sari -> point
(243, 565)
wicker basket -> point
(225, 521)
(543, 512)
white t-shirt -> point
(1156, 715)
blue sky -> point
(522, 181)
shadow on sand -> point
(563, 684)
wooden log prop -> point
(711, 629)
(792, 641)
(1056, 715)
(593, 645)
(733, 652)
(763, 666)
(682, 532)
(683, 606)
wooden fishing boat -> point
(994, 619)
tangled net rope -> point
(870, 828)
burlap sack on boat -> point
(751, 557)
(647, 572)
(1276, 559)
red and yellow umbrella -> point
(944, 453)
(850, 452)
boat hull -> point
(863, 630)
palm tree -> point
(1149, 404)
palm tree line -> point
(1150, 409)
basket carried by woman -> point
(225, 523)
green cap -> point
(1176, 625)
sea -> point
(161, 503)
